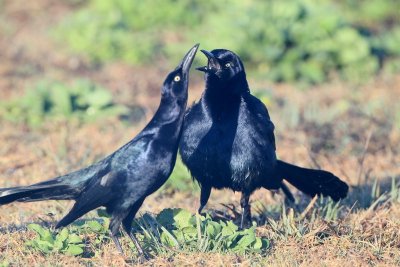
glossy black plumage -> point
(228, 140)
(123, 180)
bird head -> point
(223, 64)
(177, 81)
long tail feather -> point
(313, 182)
(64, 187)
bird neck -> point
(169, 116)
(221, 95)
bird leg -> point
(136, 243)
(204, 196)
(288, 195)
(127, 226)
(116, 242)
(246, 210)
(114, 227)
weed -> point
(62, 242)
(82, 100)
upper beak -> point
(188, 59)
(213, 62)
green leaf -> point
(95, 226)
(177, 217)
(246, 241)
(74, 239)
(168, 239)
(103, 213)
(63, 235)
(229, 229)
(45, 234)
(44, 246)
(265, 243)
(74, 250)
(36, 228)
(258, 244)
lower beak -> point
(213, 63)
(203, 69)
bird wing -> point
(262, 117)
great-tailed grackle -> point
(228, 140)
(122, 181)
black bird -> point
(123, 180)
(228, 140)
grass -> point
(360, 230)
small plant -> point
(63, 242)
(180, 229)
(82, 100)
(99, 229)
(326, 209)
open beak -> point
(188, 59)
(213, 63)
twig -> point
(309, 207)
(361, 162)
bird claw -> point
(232, 208)
(143, 258)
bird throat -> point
(222, 96)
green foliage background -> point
(288, 40)
(82, 100)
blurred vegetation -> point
(290, 40)
(82, 100)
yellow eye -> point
(228, 65)
(177, 78)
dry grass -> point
(363, 146)
(361, 236)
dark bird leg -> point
(288, 195)
(114, 227)
(204, 196)
(246, 210)
(128, 229)
(127, 226)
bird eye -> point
(177, 78)
(228, 65)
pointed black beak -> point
(207, 54)
(188, 59)
(213, 63)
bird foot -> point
(143, 258)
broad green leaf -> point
(45, 234)
(95, 226)
(44, 246)
(178, 217)
(63, 235)
(74, 250)
(74, 239)
(37, 228)
(246, 241)
(258, 243)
